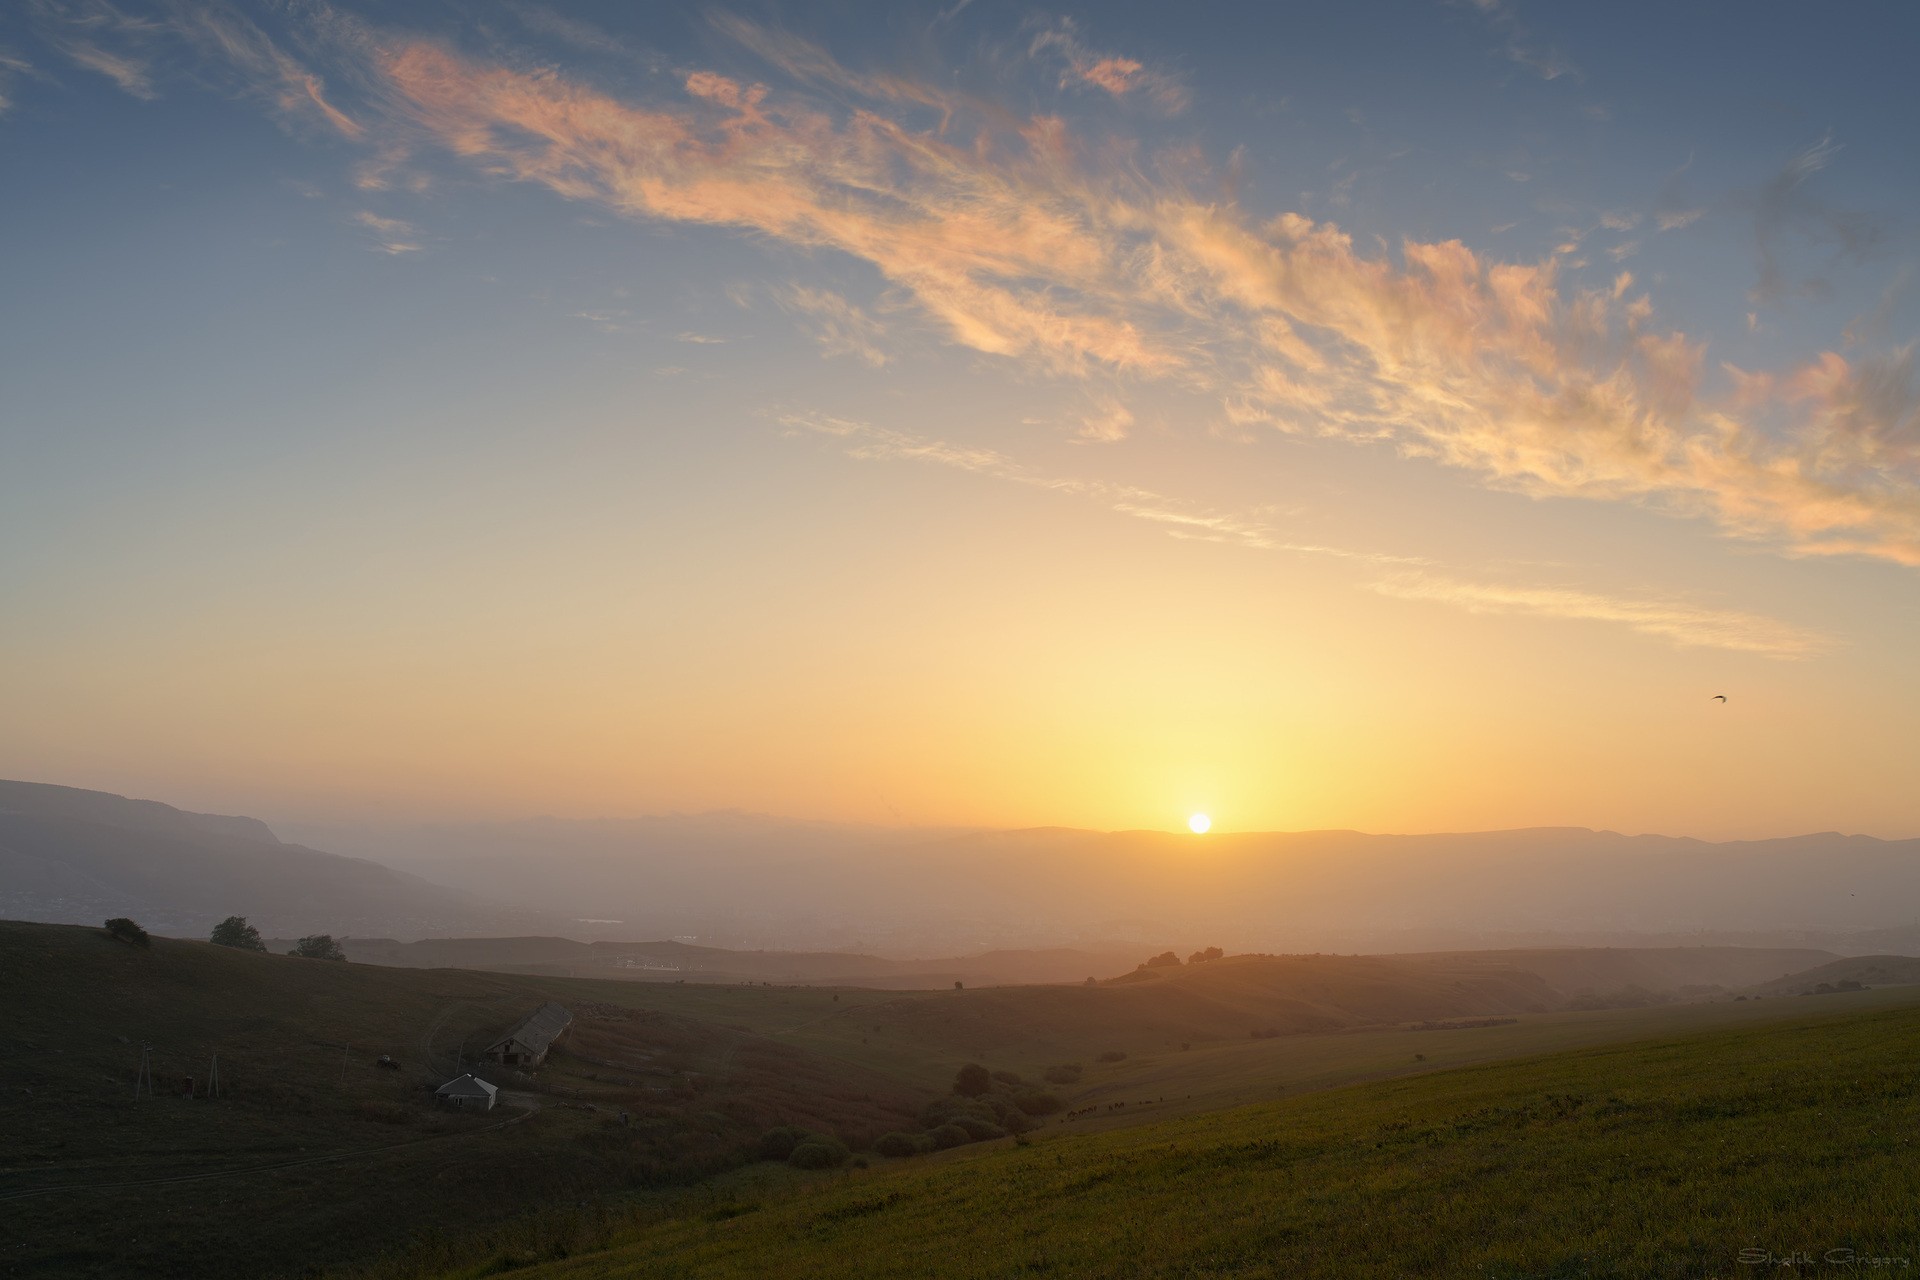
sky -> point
(1402, 417)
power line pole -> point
(213, 1076)
(144, 1077)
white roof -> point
(467, 1087)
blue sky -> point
(1385, 416)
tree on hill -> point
(318, 946)
(235, 932)
(1165, 960)
(126, 930)
(1201, 957)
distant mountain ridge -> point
(77, 857)
(46, 800)
(744, 882)
(741, 881)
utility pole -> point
(144, 1077)
(213, 1076)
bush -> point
(949, 1135)
(778, 1144)
(819, 1152)
(1036, 1102)
(1015, 1121)
(972, 1080)
(318, 946)
(1113, 1055)
(980, 1130)
(1006, 1077)
(951, 1108)
(1065, 1073)
(903, 1144)
(235, 932)
(125, 930)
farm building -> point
(527, 1044)
(467, 1093)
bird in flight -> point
(1718, 697)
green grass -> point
(1664, 1158)
(702, 1070)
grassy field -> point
(343, 1159)
(1697, 1156)
(315, 1159)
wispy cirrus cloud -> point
(131, 74)
(1180, 519)
(127, 47)
(1030, 250)
(841, 327)
(1119, 75)
(294, 89)
(11, 65)
(1017, 239)
(1679, 622)
(391, 235)
(1519, 47)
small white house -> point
(467, 1093)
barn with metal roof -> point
(527, 1044)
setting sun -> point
(1199, 823)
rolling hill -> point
(1867, 971)
(1776, 1149)
(337, 1156)
(314, 1157)
(671, 960)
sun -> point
(1199, 823)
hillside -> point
(1663, 1159)
(673, 960)
(1867, 971)
(296, 1042)
(1574, 971)
(342, 1158)
(72, 856)
(1164, 1009)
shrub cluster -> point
(983, 1105)
(803, 1148)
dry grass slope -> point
(1662, 1159)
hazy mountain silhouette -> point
(747, 882)
(743, 880)
(74, 856)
